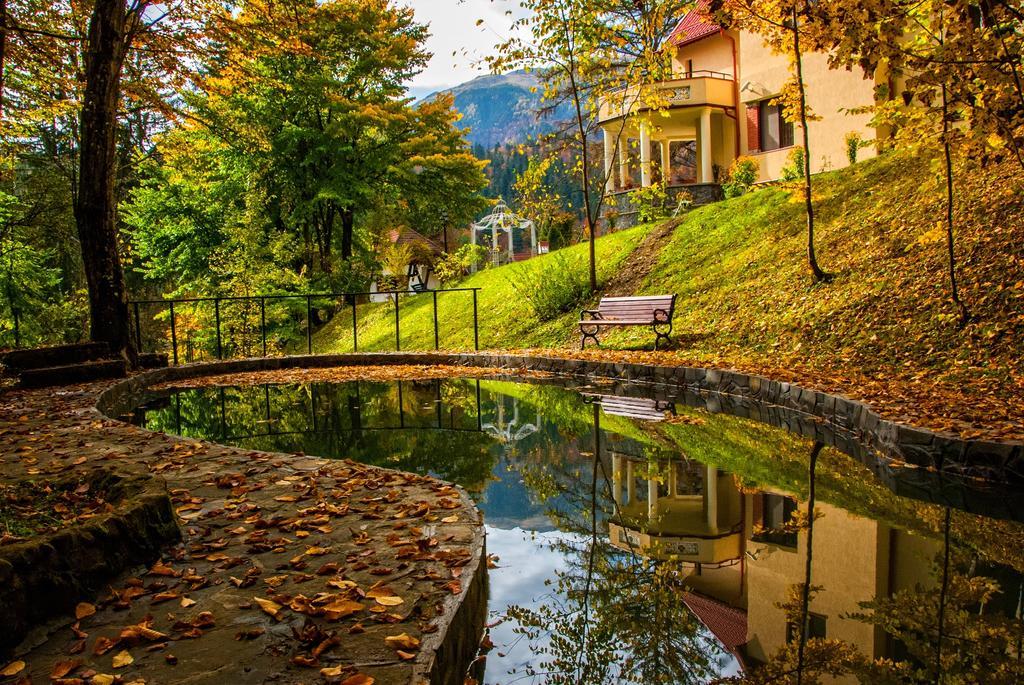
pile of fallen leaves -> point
(343, 374)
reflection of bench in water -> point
(642, 408)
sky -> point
(453, 28)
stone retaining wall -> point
(46, 576)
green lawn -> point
(506, 320)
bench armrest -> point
(662, 316)
(592, 313)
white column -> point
(533, 244)
(494, 244)
(666, 170)
(652, 498)
(645, 155)
(616, 479)
(609, 161)
(711, 498)
(511, 248)
(704, 144)
(623, 160)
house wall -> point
(713, 53)
(829, 93)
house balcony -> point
(699, 89)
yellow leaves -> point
(402, 641)
(84, 609)
(269, 607)
(359, 679)
(13, 668)
(102, 679)
(341, 608)
(392, 601)
(122, 659)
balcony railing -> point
(700, 88)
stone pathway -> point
(293, 569)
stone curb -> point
(46, 576)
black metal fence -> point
(196, 328)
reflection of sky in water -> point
(527, 561)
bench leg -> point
(584, 336)
(660, 335)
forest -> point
(265, 148)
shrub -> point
(552, 286)
(451, 267)
(794, 168)
(649, 202)
(742, 175)
(854, 143)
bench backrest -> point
(637, 308)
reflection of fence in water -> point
(199, 328)
(315, 425)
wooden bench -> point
(655, 311)
(642, 408)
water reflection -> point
(642, 541)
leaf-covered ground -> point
(293, 568)
(883, 331)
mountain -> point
(500, 109)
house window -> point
(815, 628)
(775, 131)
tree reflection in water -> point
(690, 547)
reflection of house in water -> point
(743, 560)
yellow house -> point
(719, 106)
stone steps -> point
(69, 364)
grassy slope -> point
(506, 320)
(745, 298)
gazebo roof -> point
(501, 218)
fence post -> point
(174, 336)
(355, 327)
(476, 327)
(398, 337)
(216, 314)
(263, 323)
(309, 324)
(437, 345)
(138, 328)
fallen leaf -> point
(270, 608)
(13, 668)
(62, 668)
(341, 608)
(101, 679)
(123, 658)
(404, 640)
(84, 609)
(186, 602)
(359, 679)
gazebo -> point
(504, 219)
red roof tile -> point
(695, 25)
(728, 624)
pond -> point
(636, 539)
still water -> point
(639, 540)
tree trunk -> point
(95, 209)
(817, 275)
(946, 148)
(348, 222)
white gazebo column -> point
(609, 161)
(645, 155)
(494, 244)
(533, 245)
(704, 145)
(472, 239)
(511, 246)
(711, 498)
(666, 161)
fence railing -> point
(183, 327)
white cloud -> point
(453, 28)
